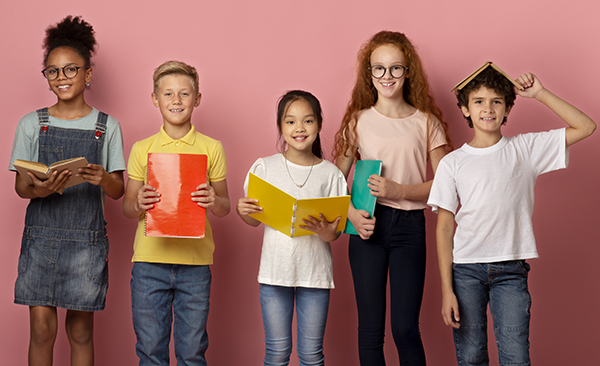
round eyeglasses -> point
(69, 71)
(396, 71)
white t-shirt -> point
(303, 261)
(495, 188)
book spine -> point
(295, 207)
(146, 182)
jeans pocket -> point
(98, 271)
(524, 266)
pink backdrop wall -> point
(248, 54)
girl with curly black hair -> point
(64, 250)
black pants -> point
(397, 246)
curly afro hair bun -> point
(72, 32)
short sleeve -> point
(443, 192)
(136, 168)
(547, 150)
(218, 164)
(436, 134)
(115, 160)
(259, 169)
(339, 187)
(26, 137)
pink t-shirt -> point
(401, 143)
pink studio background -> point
(248, 54)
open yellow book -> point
(466, 80)
(43, 172)
(284, 213)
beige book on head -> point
(472, 76)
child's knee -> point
(43, 332)
(80, 328)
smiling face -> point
(176, 99)
(299, 126)
(68, 89)
(388, 56)
(487, 110)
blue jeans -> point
(157, 292)
(396, 249)
(277, 305)
(504, 286)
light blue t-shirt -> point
(26, 142)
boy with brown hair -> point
(492, 178)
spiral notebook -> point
(175, 177)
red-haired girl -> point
(391, 117)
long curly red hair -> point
(364, 95)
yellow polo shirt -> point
(176, 250)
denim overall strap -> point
(43, 117)
(79, 207)
(101, 125)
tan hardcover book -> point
(43, 172)
(466, 80)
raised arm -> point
(580, 125)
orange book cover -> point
(175, 177)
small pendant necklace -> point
(290, 174)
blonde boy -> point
(492, 179)
(173, 273)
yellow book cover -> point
(284, 213)
(472, 76)
(43, 172)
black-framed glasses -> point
(396, 71)
(69, 71)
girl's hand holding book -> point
(326, 230)
(55, 184)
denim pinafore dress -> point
(64, 249)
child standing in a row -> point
(298, 269)
(391, 117)
(171, 276)
(492, 180)
(64, 252)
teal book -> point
(361, 196)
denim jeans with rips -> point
(159, 291)
(277, 305)
(504, 286)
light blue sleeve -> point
(25, 143)
(112, 151)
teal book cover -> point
(361, 196)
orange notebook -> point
(175, 177)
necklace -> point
(290, 174)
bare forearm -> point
(444, 242)
(130, 209)
(113, 185)
(222, 206)
(580, 125)
(417, 192)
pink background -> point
(248, 54)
